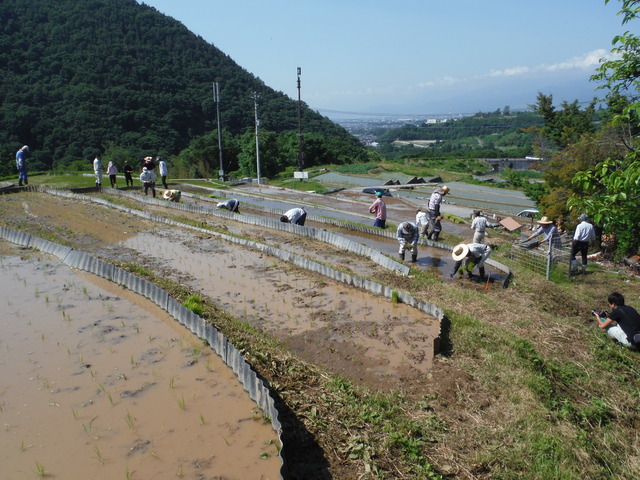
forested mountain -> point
(78, 76)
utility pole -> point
(255, 103)
(216, 99)
(300, 154)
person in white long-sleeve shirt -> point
(148, 179)
(479, 226)
(584, 234)
(297, 216)
(472, 255)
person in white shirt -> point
(232, 205)
(584, 234)
(97, 170)
(479, 225)
(148, 179)
(472, 255)
(296, 216)
(164, 171)
(422, 221)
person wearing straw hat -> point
(434, 212)
(379, 208)
(408, 236)
(172, 195)
(584, 234)
(546, 227)
(472, 255)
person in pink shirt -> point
(379, 208)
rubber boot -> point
(414, 258)
(435, 236)
(20, 183)
(401, 255)
(481, 269)
(584, 268)
(574, 266)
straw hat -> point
(544, 221)
(460, 251)
(445, 189)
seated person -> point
(623, 323)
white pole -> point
(216, 98)
(255, 102)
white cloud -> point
(588, 61)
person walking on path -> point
(434, 212)
(232, 205)
(623, 323)
(112, 171)
(21, 165)
(584, 234)
(164, 171)
(379, 209)
(408, 237)
(296, 216)
(479, 226)
(148, 179)
(128, 172)
(97, 170)
(472, 255)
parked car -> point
(529, 213)
(373, 190)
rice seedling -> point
(74, 411)
(181, 403)
(110, 398)
(85, 291)
(172, 382)
(202, 420)
(131, 422)
(99, 455)
(128, 474)
(37, 293)
(40, 469)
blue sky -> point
(411, 56)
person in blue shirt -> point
(21, 165)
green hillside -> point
(77, 76)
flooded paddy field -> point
(96, 381)
(361, 336)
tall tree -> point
(612, 187)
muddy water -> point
(354, 333)
(96, 382)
